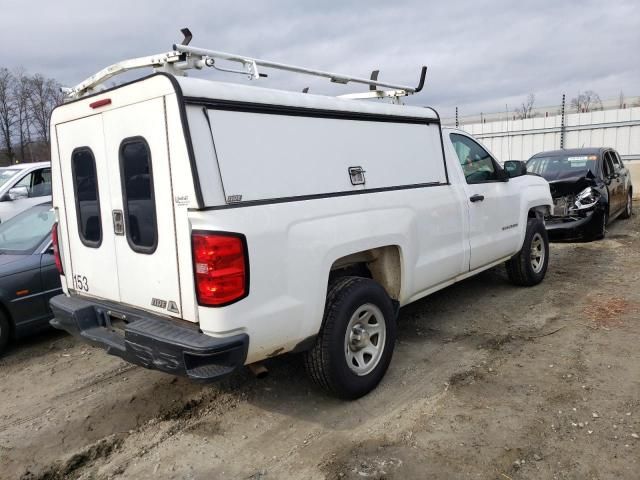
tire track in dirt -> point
(122, 448)
(100, 378)
(78, 461)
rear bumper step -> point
(150, 341)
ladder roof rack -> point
(185, 57)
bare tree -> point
(526, 110)
(586, 102)
(43, 98)
(21, 93)
(7, 112)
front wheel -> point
(529, 266)
(355, 344)
(628, 207)
(602, 229)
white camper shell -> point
(206, 225)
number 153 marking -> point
(80, 283)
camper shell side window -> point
(85, 188)
(136, 176)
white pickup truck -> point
(203, 225)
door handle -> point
(476, 198)
(118, 222)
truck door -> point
(494, 205)
(119, 208)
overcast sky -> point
(481, 55)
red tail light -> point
(220, 266)
(56, 248)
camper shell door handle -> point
(118, 222)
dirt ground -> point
(487, 381)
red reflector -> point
(220, 268)
(56, 248)
(100, 103)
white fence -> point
(520, 139)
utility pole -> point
(562, 123)
(457, 123)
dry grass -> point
(607, 312)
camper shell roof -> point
(200, 89)
(196, 90)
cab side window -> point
(476, 163)
(38, 183)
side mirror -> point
(515, 168)
(16, 193)
(502, 175)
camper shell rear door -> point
(118, 204)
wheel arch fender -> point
(340, 236)
(355, 249)
(535, 202)
(384, 264)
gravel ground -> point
(488, 381)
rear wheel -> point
(355, 345)
(628, 207)
(529, 266)
(5, 332)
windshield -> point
(21, 234)
(559, 167)
(6, 174)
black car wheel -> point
(5, 332)
(529, 266)
(602, 231)
(628, 207)
(355, 344)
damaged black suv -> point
(590, 187)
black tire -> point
(628, 209)
(521, 268)
(327, 362)
(602, 231)
(5, 332)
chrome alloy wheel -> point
(364, 339)
(537, 253)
